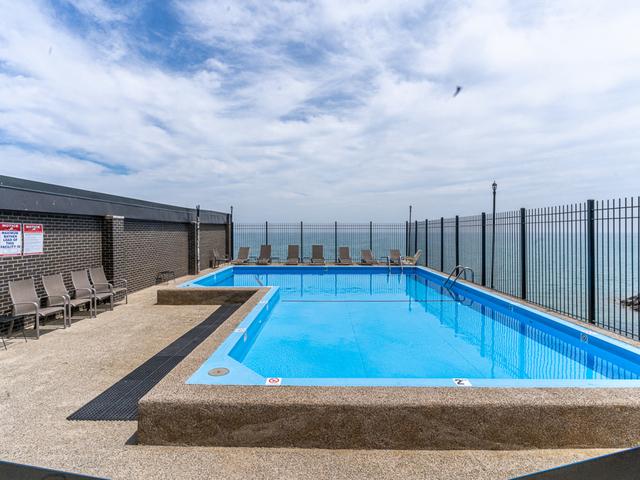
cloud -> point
(324, 110)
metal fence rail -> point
(581, 260)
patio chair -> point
(317, 254)
(344, 256)
(84, 289)
(265, 255)
(59, 295)
(394, 257)
(293, 255)
(243, 256)
(367, 258)
(102, 285)
(26, 302)
(218, 259)
(412, 260)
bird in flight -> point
(458, 90)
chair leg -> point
(4, 343)
(37, 326)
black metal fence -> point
(581, 260)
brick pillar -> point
(113, 257)
(194, 245)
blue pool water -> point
(374, 326)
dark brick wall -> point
(151, 247)
(70, 243)
(211, 236)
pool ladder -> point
(458, 271)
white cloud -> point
(330, 109)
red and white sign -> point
(33, 239)
(10, 239)
(273, 381)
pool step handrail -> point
(259, 282)
(458, 271)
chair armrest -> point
(35, 305)
(108, 285)
(65, 299)
(90, 291)
(119, 280)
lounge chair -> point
(293, 255)
(412, 260)
(265, 255)
(102, 285)
(58, 295)
(218, 259)
(26, 302)
(344, 257)
(317, 254)
(394, 257)
(84, 289)
(243, 256)
(367, 258)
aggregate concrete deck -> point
(44, 381)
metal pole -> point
(591, 262)
(494, 187)
(523, 253)
(231, 234)
(301, 253)
(371, 236)
(409, 233)
(483, 264)
(426, 242)
(335, 241)
(266, 233)
(415, 239)
(442, 244)
(197, 238)
(457, 240)
(406, 238)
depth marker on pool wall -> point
(462, 382)
(273, 381)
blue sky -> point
(323, 110)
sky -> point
(324, 110)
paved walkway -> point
(44, 381)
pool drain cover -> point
(218, 372)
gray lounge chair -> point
(265, 255)
(367, 258)
(293, 255)
(243, 256)
(317, 254)
(26, 302)
(218, 259)
(344, 256)
(59, 295)
(102, 285)
(394, 257)
(84, 289)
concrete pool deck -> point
(44, 381)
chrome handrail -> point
(460, 269)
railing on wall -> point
(581, 260)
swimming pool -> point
(373, 326)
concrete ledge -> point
(174, 413)
(204, 296)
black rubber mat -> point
(120, 401)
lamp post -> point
(494, 187)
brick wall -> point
(151, 247)
(71, 242)
(212, 236)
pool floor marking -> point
(273, 381)
(367, 301)
(461, 382)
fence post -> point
(426, 242)
(523, 253)
(591, 262)
(335, 241)
(442, 244)
(406, 238)
(483, 264)
(457, 240)
(415, 238)
(266, 233)
(371, 236)
(301, 241)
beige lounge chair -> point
(317, 254)
(102, 285)
(265, 255)
(293, 255)
(218, 259)
(394, 257)
(367, 258)
(84, 289)
(243, 256)
(26, 302)
(344, 257)
(58, 295)
(412, 260)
